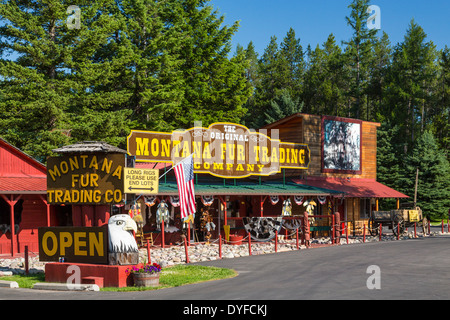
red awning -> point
(353, 187)
(17, 185)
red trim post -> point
(149, 259)
(296, 235)
(398, 231)
(11, 202)
(13, 227)
(220, 247)
(332, 232)
(306, 230)
(415, 229)
(276, 241)
(48, 209)
(381, 230)
(186, 250)
(26, 260)
(224, 203)
(346, 232)
(364, 233)
(338, 227)
(189, 233)
(262, 200)
(162, 234)
(249, 245)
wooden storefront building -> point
(336, 167)
(343, 158)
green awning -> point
(249, 188)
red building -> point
(23, 184)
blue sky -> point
(313, 21)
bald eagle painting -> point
(121, 240)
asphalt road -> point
(409, 269)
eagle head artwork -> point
(121, 238)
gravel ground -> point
(202, 252)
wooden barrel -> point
(146, 279)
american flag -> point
(184, 171)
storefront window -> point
(364, 204)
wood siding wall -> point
(34, 215)
(14, 164)
(307, 129)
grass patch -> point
(170, 277)
(183, 274)
(25, 281)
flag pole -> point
(173, 167)
(166, 172)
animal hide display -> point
(292, 224)
(262, 228)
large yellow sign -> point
(94, 178)
(223, 149)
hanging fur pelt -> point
(262, 228)
(292, 224)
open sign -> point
(74, 244)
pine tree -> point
(142, 64)
(389, 159)
(253, 80)
(410, 75)
(280, 68)
(291, 64)
(282, 106)
(143, 53)
(441, 113)
(52, 81)
(325, 80)
(34, 91)
(215, 86)
(382, 58)
(433, 192)
(97, 110)
(265, 87)
(359, 51)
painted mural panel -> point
(341, 145)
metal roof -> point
(354, 187)
(23, 185)
(89, 146)
(249, 188)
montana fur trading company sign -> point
(92, 178)
(225, 150)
